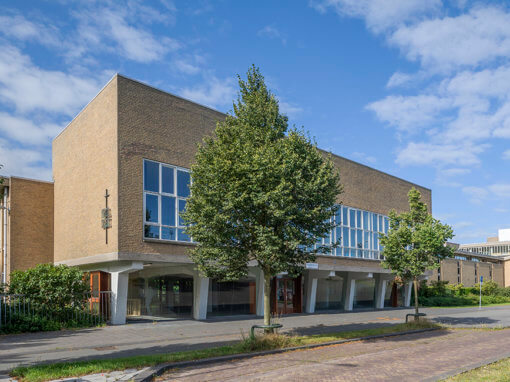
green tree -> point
(55, 288)
(260, 191)
(415, 242)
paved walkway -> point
(176, 335)
(418, 357)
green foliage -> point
(440, 293)
(260, 191)
(56, 288)
(415, 241)
(489, 288)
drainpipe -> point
(5, 211)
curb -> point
(149, 374)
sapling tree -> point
(415, 242)
(260, 192)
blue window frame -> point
(165, 189)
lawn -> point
(494, 372)
(246, 345)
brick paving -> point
(176, 335)
(416, 357)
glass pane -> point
(168, 210)
(386, 225)
(183, 178)
(151, 208)
(338, 238)
(352, 218)
(290, 296)
(380, 223)
(345, 242)
(338, 216)
(360, 239)
(167, 233)
(374, 222)
(365, 220)
(151, 176)
(344, 215)
(167, 175)
(353, 238)
(182, 207)
(358, 219)
(181, 235)
(151, 231)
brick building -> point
(120, 171)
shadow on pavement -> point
(465, 321)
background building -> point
(27, 224)
(495, 246)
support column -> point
(380, 291)
(119, 283)
(119, 295)
(349, 287)
(200, 296)
(311, 293)
(259, 298)
(407, 294)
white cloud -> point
(289, 109)
(25, 162)
(506, 155)
(399, 79)
(379, 14)
(476, 194)
(492, 191)
(30, 88)
(122, 30)
(272, 33)
(213, 93)
(469, 39)
(19, 27)
(25, 131)
(439, 154)
(409, 113)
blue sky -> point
(418, 89)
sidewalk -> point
(429, 356)
(178, 335)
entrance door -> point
(287, 295)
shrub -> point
(48, 287)
(489, 288)
(265, 342)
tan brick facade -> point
(30, 223)
(104, 147)
(85, 164)
(470, 271)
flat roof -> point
(217, 111)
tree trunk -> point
(415, 282)
(267, 298)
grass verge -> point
(246, 345)
(494, 372)
(466, 306)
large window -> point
(357, 233)
(165, 189)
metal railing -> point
(94, 309)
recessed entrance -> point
(286, 296)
